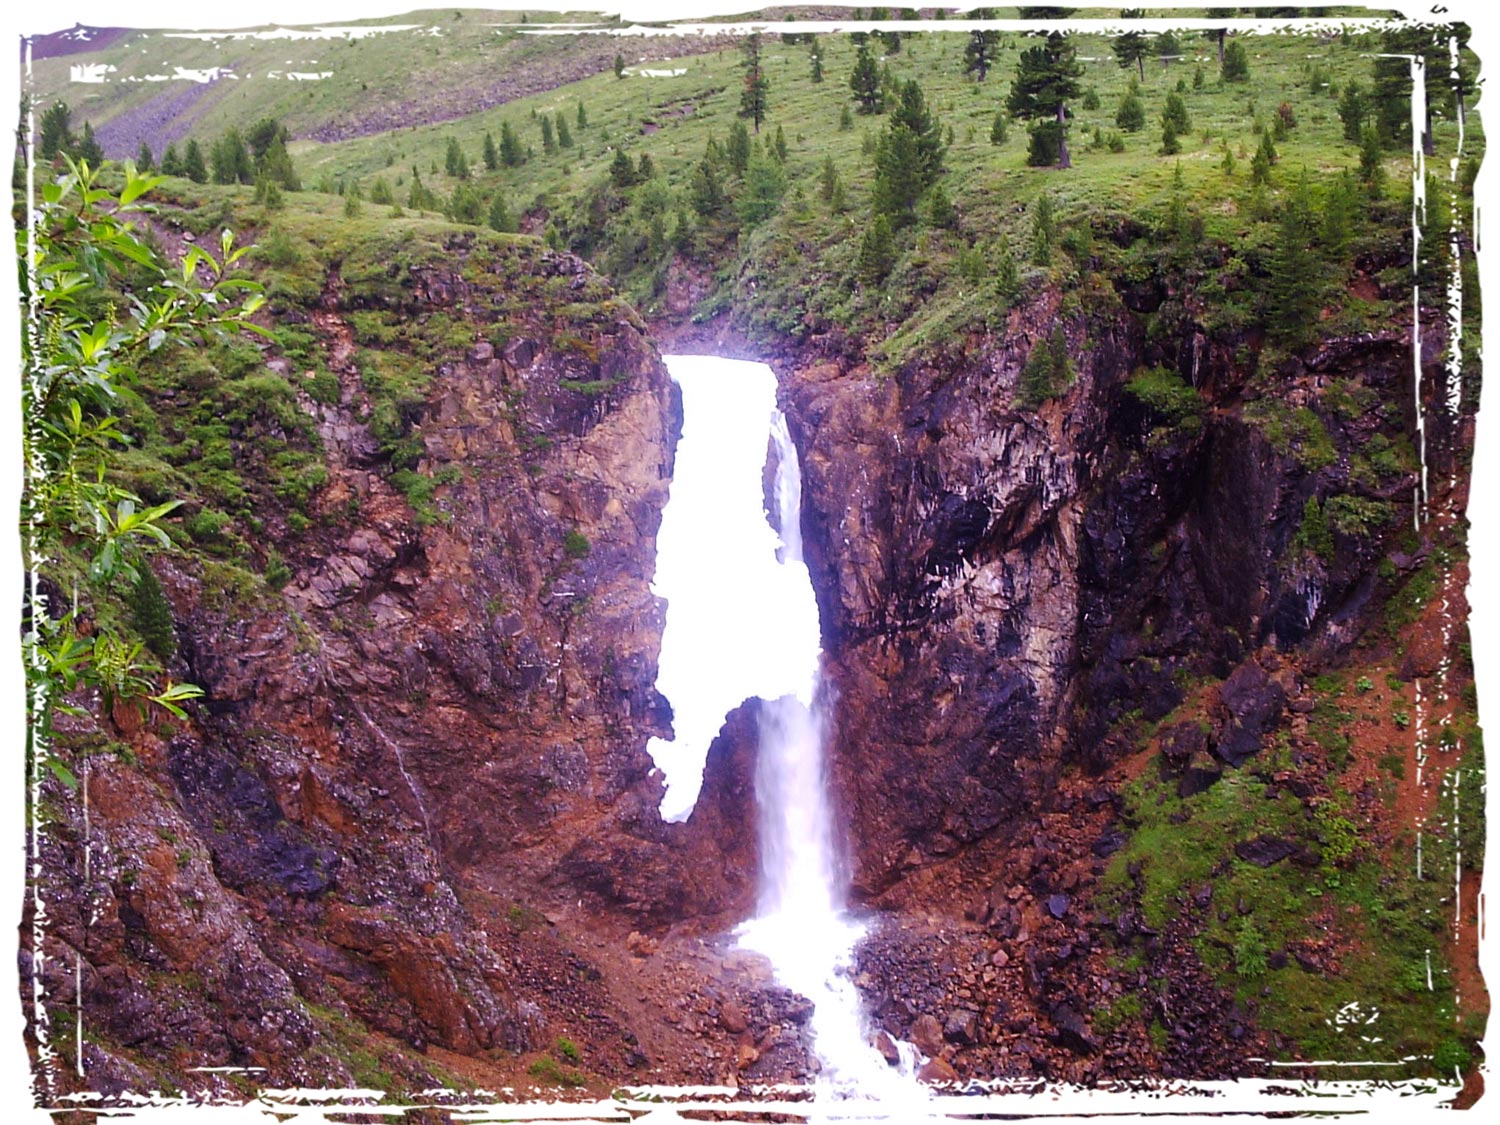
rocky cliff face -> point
(1002, 585)
(1024, 603)
(431, 736)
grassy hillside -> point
(1116, 173)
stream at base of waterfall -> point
(742, 622)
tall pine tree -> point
(754, 96)
(1046, 80)
(980, 52)
(865, 81)
(1131, 46)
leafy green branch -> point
(84, 535)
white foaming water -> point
(741, 622)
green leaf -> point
(136, 186)
(62, 772)
(173, 693)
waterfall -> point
(741, 622)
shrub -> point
(547, 1071)
(576, 544)
(1249, 951)
(152, 614)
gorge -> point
(654, 640)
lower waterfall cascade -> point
(742, 622)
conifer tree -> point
(980, 52)
(908, 157)
(583, 117)
(55, 132)
(512, 155)
(499, 216)
(1130, 46)
(619, 65)
(760, 196)
(88, 147)
(1352, 111)
(230, 160)
(1234, 63)
(465, 206)
(276, 165)
(755, 94)
(144, 160)
(171, 163)
(865, 81)
(1131, 116)
(1294, 287)
(898, 182)
(838, 203)
(1046, 80)
(911, 113)
(549, 142)
(491, 153)
(1176, 112)
(828, 179)
(1340, 213)
(192, 163)
(420, 197)
(1043, 212)
(940, 210)
(1047, 371)
(151, 613)
(564, 134)
(1264, 158)
(1007, 274)
(780, 147)
(621, 171)
(707, 189)
(456, 164)
(815, 53)
(737, 150)
(1390, 96)
(1371, 160)
(999, 128)
(877, 251)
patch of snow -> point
(89, 72)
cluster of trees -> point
(743, 176)
(258, 157)
(55, 137)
